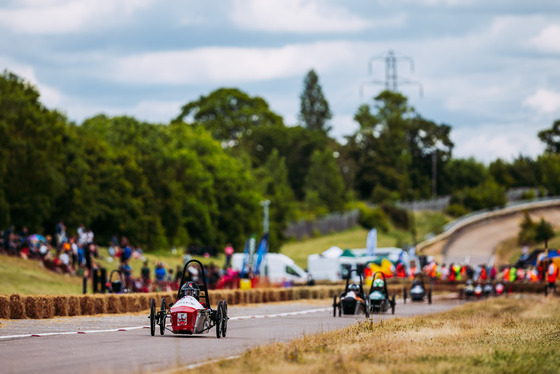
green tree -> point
(463, 173)
(526, 233)
(544, 232)
(314, 110)
(551, 138)
(324, 186)
(228, 113)
(33, 143)
(296, 144)
(392, 150)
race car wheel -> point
(162, 317)
(225, 318)
(153, 317)
(334, 307)
(219, 317)
(404, 294)
(393, 302)
(429, 296)
(367, 308)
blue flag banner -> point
(261, 252)
(249, 252)
(371, 242)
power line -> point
(392, 79)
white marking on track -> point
(238, 318)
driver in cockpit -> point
(190, 289)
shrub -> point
(398, 216)
(373, 217)
(456, 210)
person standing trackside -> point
(229, 252)
(551, 275)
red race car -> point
(191, 313)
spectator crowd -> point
(77, 254)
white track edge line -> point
(238, 318)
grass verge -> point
(513, 335)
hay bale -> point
(133, 304)
(237, 297)
(33, 307)
(258, 296)
(17, 307)
(48, 306)
(87, 305)
(114, 305)
(4, 307)
(100, 303)
(144, 301)
(60, 306)
(74, 306)
(230, 297)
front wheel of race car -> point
(334, 307)
(404, 294)
(153, 317)
(162, 317)
(224, 318)
(393, 302)
(429, 296)
(219, 317)
(367, 308)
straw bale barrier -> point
(39, 306)
(4, 307)
(17, 307)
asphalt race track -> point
(121, 343)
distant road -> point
(135, 350)
(480, 240)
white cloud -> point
(544, 101)
(302, 16)
(49, 96)
(65, 16)
(229, 65)
(488, 142)
(548, 39)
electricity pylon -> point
(392, 80)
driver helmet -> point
(469, 282)
(190, 289)
(378, 283)
(354, 287)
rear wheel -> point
(153, 317)
(225, 318)
(393, 302)
(429, 296)
(367, 308)
(219, 316)
(404, 294)
(162, 317)
(334, 306)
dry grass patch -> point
(515, 335)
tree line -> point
(200, 179)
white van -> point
(276, 266)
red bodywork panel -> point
(183, 319)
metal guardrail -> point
(478, 216)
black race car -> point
(379, 300)
(352, 301)
(418, 291)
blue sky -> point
(490, 69)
